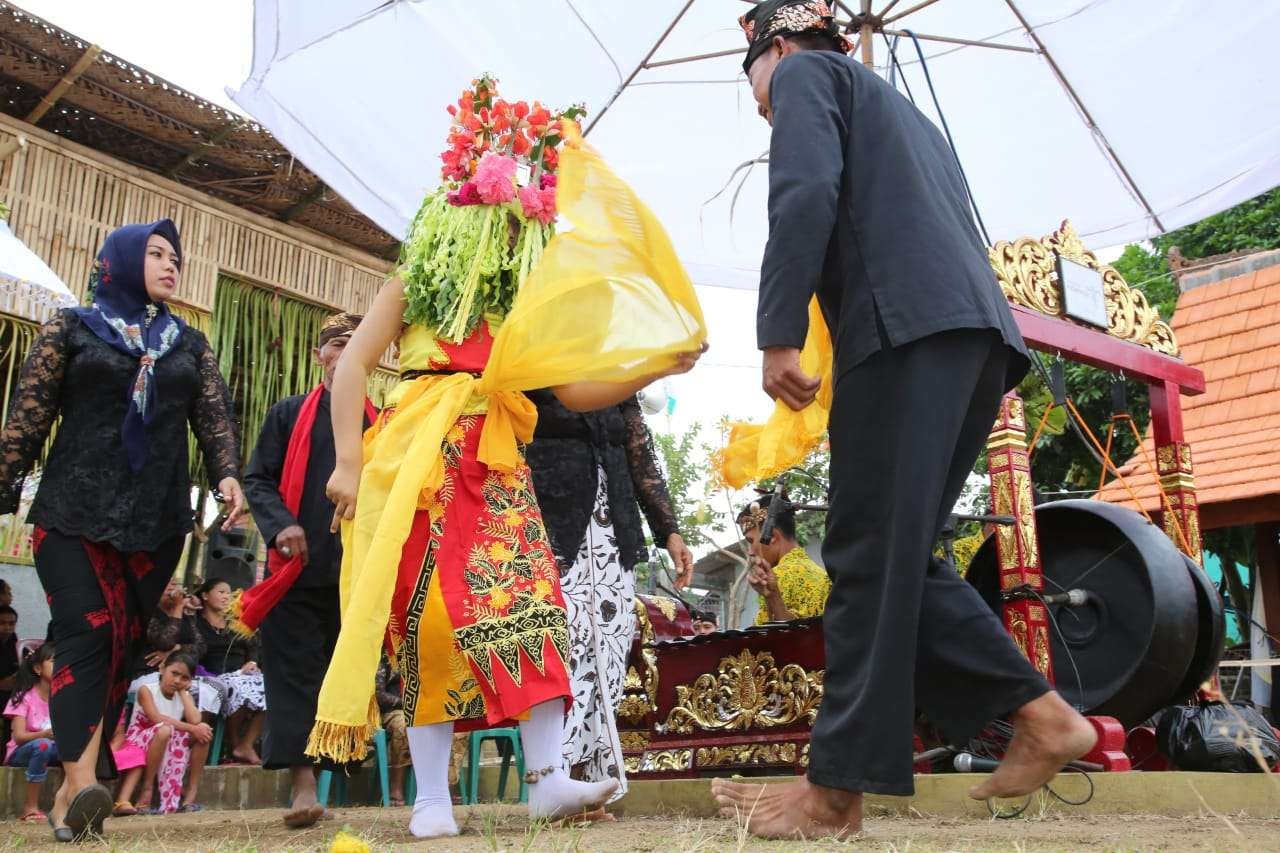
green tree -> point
(686, 461)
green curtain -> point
(263, 341)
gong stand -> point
(1136, 344)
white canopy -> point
(1131, 117)
(28, 288)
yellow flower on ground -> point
(345, 842)
(501, 553)
(499, 597)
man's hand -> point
(201, 732)
(292, 542)
(682, 558)
(249, 667)
(785, 381)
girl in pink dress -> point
(165, 719)
(31, 745)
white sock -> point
(433, 807)
(555, 795)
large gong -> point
(1126, 651)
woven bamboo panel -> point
(66, 199)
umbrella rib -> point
(640, 67)
(1018, 48)
(595, 37)
(905, 12)
(1088, 117)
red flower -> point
(521, 110)
(547, 181)
(464, 195)
(550, 158)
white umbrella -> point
(28, 288)
(1131, 117)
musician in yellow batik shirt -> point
(790, 584)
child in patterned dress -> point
(165, 720)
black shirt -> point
(225, 650)
(567, 451)
(87, 488)
(867, 209)
(315, 511)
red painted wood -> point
(1089, 346)
(1109, 750)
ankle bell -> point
(531, 777)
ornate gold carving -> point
(666, 605)
(746, 753)
(1016, 413)
(748, 691)
(1184, 452)
(1018, 630)
(1165, 458)
(1026, 272)
(640, 693)
(1002, 500)
(663, 760)
(1026, 518)
(633, 740)
(1042, 649)
(804, 756)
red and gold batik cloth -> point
(478, 628)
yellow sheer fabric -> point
(758, 451)
(609, 301)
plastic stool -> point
(384, 779)
(508, 743)
(215, 747)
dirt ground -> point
(504, 828)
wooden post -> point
(1267, 585)
(1018, 545)
(1180, 509)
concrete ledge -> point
(946, 795)
(1255, 795)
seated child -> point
(165, 720)
(127, 756)
(31, 743)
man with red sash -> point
(297, 606)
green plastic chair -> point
(325, 782)
(508, 743)
(215, 748)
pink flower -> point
(538, 204)
(495, 178)
(548, 181)
(464, 195)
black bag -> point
(1217, 737)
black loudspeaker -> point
(231, 556)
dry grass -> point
(505, 828)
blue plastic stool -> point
(384, 780)
(508, 744)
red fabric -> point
(256, 602)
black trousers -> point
(298, 638)
(100, 601)
(902, 629)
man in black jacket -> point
(300, 629)
(868, 211)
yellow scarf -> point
(758, 451)
(609, 301)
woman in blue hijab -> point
(113, 505)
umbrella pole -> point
(865, 32)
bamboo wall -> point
(66, 198)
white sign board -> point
(1083, 296)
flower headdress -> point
(475, 239)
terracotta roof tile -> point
(1230, 330)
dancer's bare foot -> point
(1047, 733)
(304, 811)
(798, 809)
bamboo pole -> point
(68, 80)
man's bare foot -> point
(791, 810)
(599, 815)
(304, 811)
(1047, 733)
